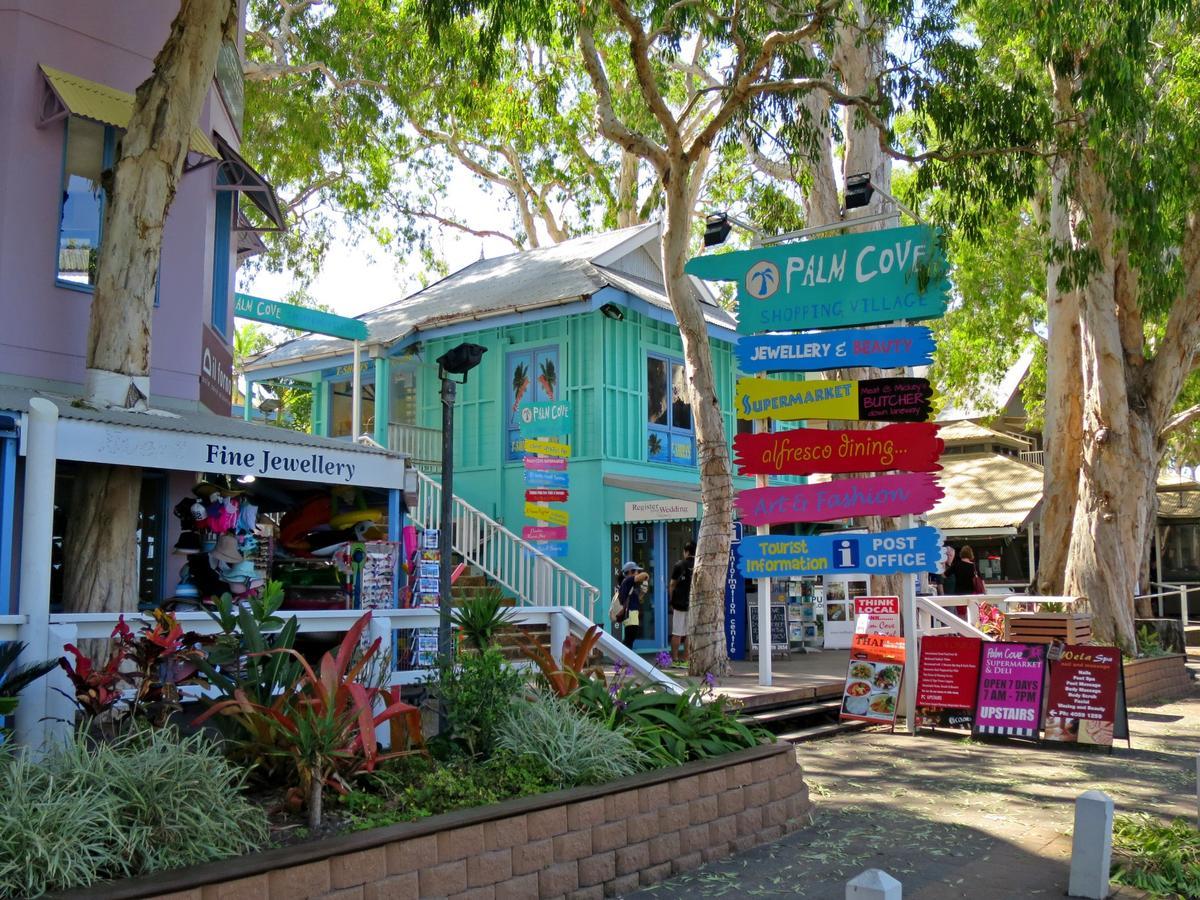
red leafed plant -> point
(325, 723)
(97, 689)
(564, 680)
(991, 620)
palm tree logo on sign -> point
(762, 279)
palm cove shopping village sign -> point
(870, 400)
(854, 279)
(815, 351)
(905, 550)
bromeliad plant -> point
(563, 680)
(15, 678)
(324, 723)
(480, 619)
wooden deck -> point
(794, 679)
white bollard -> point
(873, 884)
(1091, 846)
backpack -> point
(977, 584)
(616, 610)
(684, 586)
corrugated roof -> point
(101, 103)
(967, 432)
(515, 282)
(16, 399)
(986, 490)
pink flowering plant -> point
(991, 620)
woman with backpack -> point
(627, 602)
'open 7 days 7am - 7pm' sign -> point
(854, 279)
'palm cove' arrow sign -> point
(870, 400)
(854, 279)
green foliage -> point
(1163, 859)
(14, 678)
(476, 689)
(481, 617)
(417, 787)
(668, 729)
(324, 724)
(556, 734)
(1149, 643)
(145, 802)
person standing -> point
(965, 576)
(679, 589)
(629, 595)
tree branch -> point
(639, 50)
(611, 126)
(457, 226)
(1180, 420)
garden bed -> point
(588, 841)
(1156, 678)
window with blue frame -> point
(224, 223)
(670, 437)
(88, 151)
(531, 376)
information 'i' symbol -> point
(847, 554)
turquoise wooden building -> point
(587, 321)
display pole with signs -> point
(546, 476)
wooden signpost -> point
(540, 478)
(548, 448)
(870, 400)
(884, 495)
(911, 447)
(547, 514)
(546, 495)
(904, 550)
(544, 533)
(816, 351)
(551, 417)
(853, 279)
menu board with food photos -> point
(873, 679)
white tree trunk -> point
(706, 631)
(100, 550)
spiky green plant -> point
(480, 618)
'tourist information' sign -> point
(904, 550)
(1082, 703)
(947, 680)
(911, 447)
(869, 400)
(1010, 689)
(816, 351)
(854, 279)
(883, 495)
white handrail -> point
(531, 576)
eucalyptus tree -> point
(101, 575)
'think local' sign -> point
(883, 495)
(870, 400)
(552, 417)
(854, 279)
(909, 447)
(816, 351)
(905, 550)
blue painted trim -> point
(395, 528)
(222, 232)
(610, 294)
(8, 524)
(304, 367)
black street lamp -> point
(457, 361)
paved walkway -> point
(955, 818)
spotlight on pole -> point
(716, 229)
(858, 190)
(457, 361)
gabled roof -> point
(956, 434)
(986, 490)
(516, 282)
(992, 398)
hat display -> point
(227, 549)
(205, 489)
(242, 570)
(189, 542)
(630, 566)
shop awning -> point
(196, 441)
(681, 501)
(986, 493)
(72, 95)
(243, 177)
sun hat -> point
(227, 549)
(630, 566)
(205, 489)
(188, 543)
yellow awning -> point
(101, 103)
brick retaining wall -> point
(1156, 678)
(581, 843)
